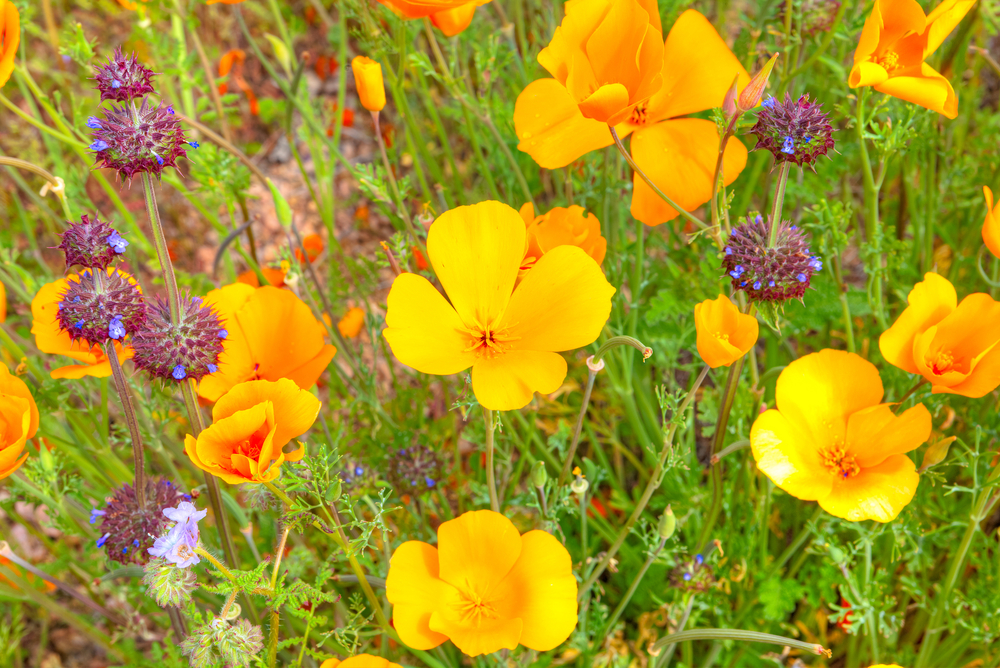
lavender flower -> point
(132, 140)
(178, 545)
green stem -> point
(121, 384)
(162, 254)
(41, 126)
(655, 480)
(631, 590)
(677, 207)
(491, 482)
(743, 636)
(871, 204)
(779, 201)
(400, 204)
(592, 369)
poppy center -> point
(639, 113)
(942, 362)
(889, 60)
(251, 446)
(489, 341)
(840, 462)
(722, 337)
(474, 609)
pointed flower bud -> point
(96, 312)
(91, 243)
(539, 476)
(769, 274)
(668, 523)
(751, 95)
(188, 349)
(729, 101)
(122, 79)
(368, 80)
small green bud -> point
(539, 476)
(580, 485)
(668, 523)
(334, 490)
(936, 453)
(837, 555)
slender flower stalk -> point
(779, 201)
(743, 636)
(400, 204)
(491, 482)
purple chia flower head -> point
(173, 352)
(91, 243)
(96, 313)
(769, 274)
(127, 530)
(414, 470)
(132, 140)
(795, 131)
(178, 544)
(122, 78)
(693, 575)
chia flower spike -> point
(795, 131)
(91, 243)
(769, 274)
(113, 310)
(414, 470)
(188, 349)
(135, 140)
(128, 531)
(122, 78)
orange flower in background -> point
(894, 43)
(561, 226)
(360, 661)
(224, 2)
(485, 587)
(313, 243)
(369, 83)
(352, 322)
(724, 333)
(607, 56)
(953, 346)
(511, 337)
(3, 303)
(275, 277)
(453, 21)
(49, 338)
(18, 421)
(677, 153)
(831, 440)
(991, 226)
(10, 38)
(272, 334)
(232, 61)
(251, 423)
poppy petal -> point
(295, 409)
(476, 252)
(551, 129)
(509, 381)
(541, 591)
(930, 301)
(930, 90)
(679, 157)
(477, 549)
(563, 303)
(423, 330)
(942, 20)
(789, 457)
(485, 637)
(876, 433)
(878, 493)
(414, 589)
(991, 225)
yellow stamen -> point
(889, 60)
(942, 362)
(475, 609)
(840, 462)
(488, 340)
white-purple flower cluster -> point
(178, 545)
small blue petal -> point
(116, 330)
(94, 514)
(212, 368)
(135, 543)
(223, 333)
(430, 482)
(756, 285)
(79, 324)
(801, 278)
(687, 576)
(768, 102)
(734, 274)
(103, 539)
(179, 373)
(194, 144)
(94, 123)
(789, 146)
(808, 139)
(117, 243)
(729, 251)
(125, 550)
(170, 109)
(358, 471)
(159, 160)
(771, 284)
(99, 145)
(116, 84)
(699, 559)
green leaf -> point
(779, 598)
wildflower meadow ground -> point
(499, 334)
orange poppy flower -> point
(18, 421)
(953, 346)
(10, 38)
(49, 338)
(485, 587)
(453, 21)
(251, 423)
(352, 322)
(991, 226)
(831, 440)
(313, 243)
(236, 58)
(561, 226)
(360, 661)
(271, 334)
(724, 333)
(275, 277)
(677, 154)
(511, 337)
(3, 303)
(225, 2)
(44, 585)
(894, 43)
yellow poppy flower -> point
(894, 43)
(360, 661)
(724, 334)
(831, 440)
(49, 338)
(251, 423)
(991, 226)
(561, 226)
(369, 83)
(953, 346)
(485, 587)
(678, 154)
(510, 336)
(270, 334)
(10, 38)
(18, 421)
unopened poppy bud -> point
(729, 101)
(837, 554)
(936, 453)
(668, 522)
(368, 80)
(751, 95)
(539, 476)
(334, 490)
